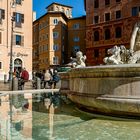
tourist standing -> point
(56, 78)
(24, 77)
(47, 78)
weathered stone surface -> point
(113, 89)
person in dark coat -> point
(56, 78)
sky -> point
(40, 5)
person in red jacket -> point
(24, 77)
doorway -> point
(18, 65)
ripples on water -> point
(33, 118)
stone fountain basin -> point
(112, 89)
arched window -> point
(118, 32)
(96, 3)
(96, 36)
(107, 34)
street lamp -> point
(13, 5)
(11, 51)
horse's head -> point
(113, 50)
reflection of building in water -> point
(19, 122)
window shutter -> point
(3, 14)
(22, 18)
(14, 16)
(22, 40)
(0, 37)
(14, 39)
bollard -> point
(15, 83)
(5, 78)
(38, 83)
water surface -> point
(29, 117)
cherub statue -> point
(79, 61)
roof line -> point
(59, 4)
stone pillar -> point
(5, 78)
(15, 83)
(38, 83)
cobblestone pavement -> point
(28, 86)
(6, 86)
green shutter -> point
(22, 18)
(22, 40)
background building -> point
(76, 36)
(53, 34)
(109, 23)
(21, 12)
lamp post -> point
(12, 4)
(11, 51)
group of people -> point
(49, 78)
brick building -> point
(109, 23)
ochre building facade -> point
(108, 23)
(55, 35)
(76, 36)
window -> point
(96, 53)
(96, 4)
(107, 2)
(76, 26)
(46, 36)
(118, 32)
(55, 21)
(2, 15)
(96, 36)
(76, 49)
(63, 10)
(107, 34)
(19, 18)
(55, 60)
(18, 40)
(96, 19)
(67, 12)
(55, 34)
(76, 39)
(118, 0)
(55, 47)
(57, 8)
(52, 9)
(135, 11)
(118, 14)
(46, 47)
(0, 65)
(18, 1)
(107, 16)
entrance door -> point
(18, 65)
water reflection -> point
(16, 117)
(48, 117)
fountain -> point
(112, 89)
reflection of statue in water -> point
(79, 61)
